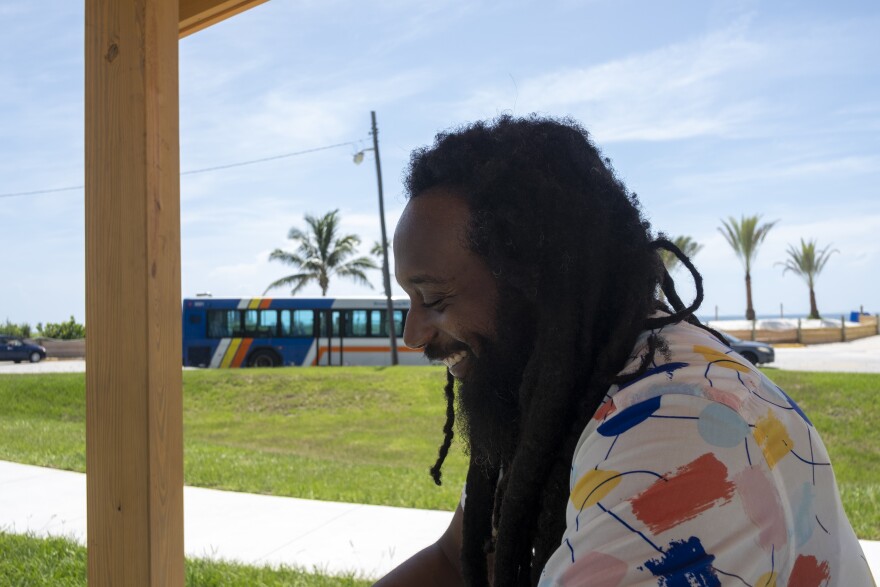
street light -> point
(358, 158)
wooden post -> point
(753, 329)
(842, 328)
(134, 429)
(800, 337)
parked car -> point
(755, 352)
(15, 349)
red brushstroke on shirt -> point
(808, 572)
(683, 494)
(605, 410)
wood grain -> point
(196, 15)
(134, 448)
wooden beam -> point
(196, 15)
(134, 411)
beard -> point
(488, 400)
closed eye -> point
(440, 303)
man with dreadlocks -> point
(612, 440)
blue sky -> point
(707, 109)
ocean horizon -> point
(703, 317)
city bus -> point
(271, 332)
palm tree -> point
(808, 263)
(745, 237)
(376, 249)
(686, 245)
(321, 254)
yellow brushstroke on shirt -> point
(773, 438)
(592, 487)
(719, 359)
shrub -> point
(70, 330)
(23, 330)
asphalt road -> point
(858, 356)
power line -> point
(192, 171)
(39, 192)
(264, 159)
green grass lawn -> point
(845, 408)
(361, 434)
(28, 561)
(369, 435)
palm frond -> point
(320, 253)
(686, 245)
(362, 263)
(286, 257)
(355, 274)
(296, 234)
(297, 281)
(376, 249)
(806, 261)
(745, 236)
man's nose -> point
(418, 330)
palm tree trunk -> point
(814, 310)
(750, 311)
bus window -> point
(379, 324)
(297, 323)
(254, 325)
(356, 323)
(224, 324)
(322, 323)
(260, 323)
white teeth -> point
(453, 360)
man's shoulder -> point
(688, 361)
(702, 454)
(693, 375)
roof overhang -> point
(196, 15)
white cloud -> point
(291, 116)
(715, 85)
(771, 170)
(669, 93)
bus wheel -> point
(264, 359)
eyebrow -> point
(424, 279)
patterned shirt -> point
(703, 472)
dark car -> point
(755, 352)
(15, 349)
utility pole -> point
(386, 277)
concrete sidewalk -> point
(857, 356)
(330, 537)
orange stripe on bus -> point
(242, 352)
(265, 303)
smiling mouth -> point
(454, 359)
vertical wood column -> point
(134, 420)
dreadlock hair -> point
(554, 223)
(449, 391)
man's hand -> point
(438, 565)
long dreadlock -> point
(555, 225)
